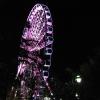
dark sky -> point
(76, 35)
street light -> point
(78, 79)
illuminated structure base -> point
(29, 86)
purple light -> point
(39, 26)
(37, 35)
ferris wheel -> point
(35, 58)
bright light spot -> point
(78, 76)
(60, 98)
(76, 95)
(78, 79)
(52, 94)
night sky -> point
(76, 42)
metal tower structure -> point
(34, 60)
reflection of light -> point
(78, 79)
(46, 98)
(77, 96)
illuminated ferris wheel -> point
(34, 60)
